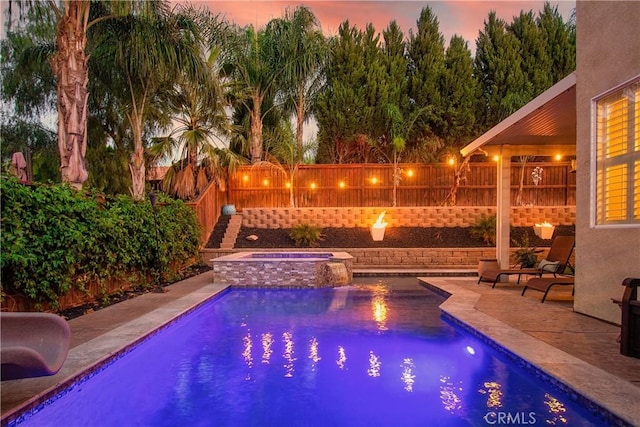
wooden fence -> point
(207, 209)
(371, 185)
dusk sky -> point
(465, 18)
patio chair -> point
(544, 284)
(32, 344)
(630, 324)
(556, 261)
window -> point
(617, 127)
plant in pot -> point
(485, 229)
(525, 255)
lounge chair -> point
(544, 284)
(32, 344)
(556, 262)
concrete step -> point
(231, 233)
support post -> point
(503, 206)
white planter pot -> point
(544, 232)
(377, 233)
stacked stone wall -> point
(428, 216)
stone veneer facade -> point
(240, 269)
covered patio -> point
(546, 126)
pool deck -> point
(576, 349)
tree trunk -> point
(138, 173)
(459, 175)
(256, 130)
(300, 124)
(136, 162)
(69, 65)
(518, 202)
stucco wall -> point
(608, 54)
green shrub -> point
(526, 255)
(54, 237)
(306, 235)
(485, 229)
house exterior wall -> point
(608, 54)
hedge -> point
(55, 238)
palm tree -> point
(399, 131)
(151, 52)
(249, 64)
(70, 67)
(198, 111)
(283, 157)
(304, 52)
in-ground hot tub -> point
(284, 269)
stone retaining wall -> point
(431, 258)
(427, 216)
(427, 258)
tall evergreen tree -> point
(535, 59)
(560, 41)
(499, 73)
(459, 92)
(342, 106)
(395, 60)
(375, 84)
(426, 65)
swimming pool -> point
(357, 355)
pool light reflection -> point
(374, 365)
(408, 377)
(556, 409)
(342, 357)
(287, 338)
(494, 398)
(267, 342)
(313, 350)
(448, 396)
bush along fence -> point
(62, 247)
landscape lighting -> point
(377, 229)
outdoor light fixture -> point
(265, 182)
(341, 184)
(245, 177)
(558, 157)
(544, 230)
(410, 173)
(377, 229)
(312, 185)
(451, 161)
(374, 180)
(287, 184)
(496, 158)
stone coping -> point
(261, 256)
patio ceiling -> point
(545, 126)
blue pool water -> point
(352, 356)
